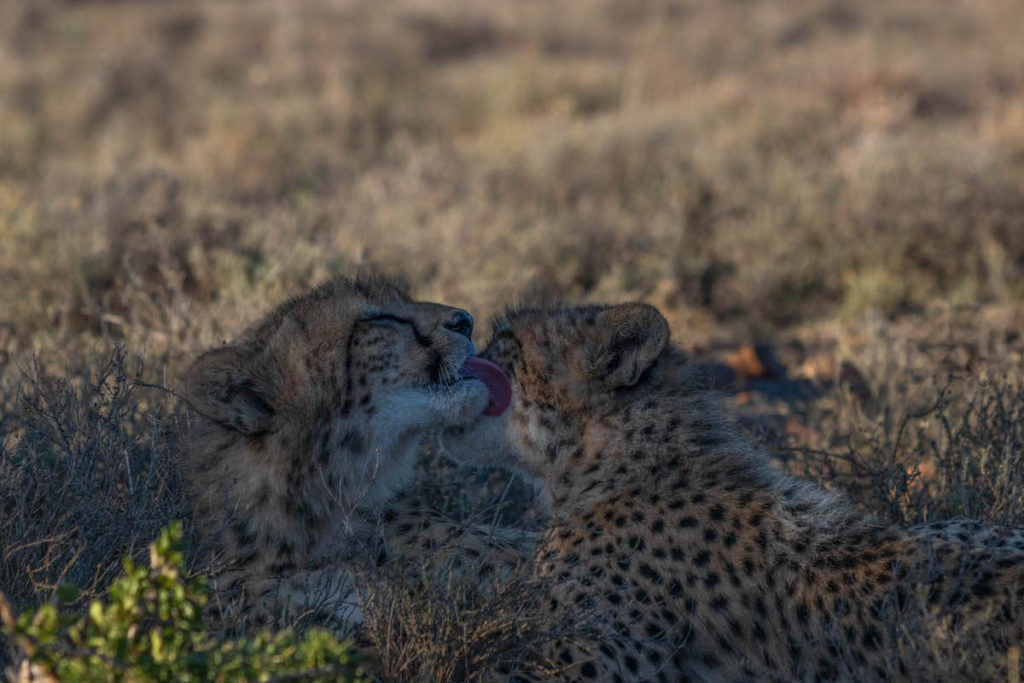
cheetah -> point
(305, 435)
(703, 562)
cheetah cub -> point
(307, 429)
(703, 561)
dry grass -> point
(931, 426)
(844, 181)
(88, 472)
(439, 624)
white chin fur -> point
(482, 443)
(403, 418)
(486, 444)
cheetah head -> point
(321, 406)
(567, 367)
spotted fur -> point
(702, 561)
(307, 428)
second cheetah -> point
(703, 561)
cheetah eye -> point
(388, 320)
(382, 319)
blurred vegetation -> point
(169, 169)
(843, 182)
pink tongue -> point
(495, 380)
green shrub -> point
(149, 628)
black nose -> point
(461, 323)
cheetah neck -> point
(681, 447)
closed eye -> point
(385, 318)
(389, 320)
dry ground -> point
(841, 181)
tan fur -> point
(702, 561)
(308, 427)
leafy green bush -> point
(149, 628)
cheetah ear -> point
(223, 387)
(627, 338)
